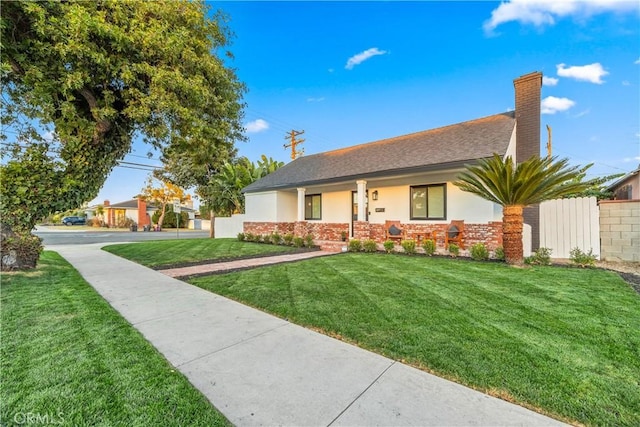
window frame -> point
(311, 196)
(426, 188)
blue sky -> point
(353, 72)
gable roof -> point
(434, 149)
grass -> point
(68, 358)
(172, 252)
(563, 341)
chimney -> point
(527, 90)
(143, 218)
(528, 115)
(106, 203)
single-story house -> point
(136, 209)
(627, 187)
(409, 179)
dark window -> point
(313, 206)
(429, 201)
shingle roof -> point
(432, 149)
(129, 204)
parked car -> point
(74, 220)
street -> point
(81, 235)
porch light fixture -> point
(374, 195)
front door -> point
(354, 208)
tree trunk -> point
(512, 220)
(161, 217)
(212, 221)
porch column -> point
(362, 199)
(301, 192)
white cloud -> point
(363, 56)
(549, 81)
(637, 61)
(546, 12)
(626, 83)
(315, 99)
(256, 126)
(551, 104)
(582, 113)
(592, 73)
(631, 159)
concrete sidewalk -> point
(261, 370)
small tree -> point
(516, 186)
(162, 195)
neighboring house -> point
(627, 187)
(408, 179)
(136, 209)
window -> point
(429, 201)
(313, 206)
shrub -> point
(582, 259)
(19, 252)
(275, 238)
(499, 253)
(429, 246)
(479, 252)
(288, 239)
(388, 246)
(355, 245)
(95, 222)
(241, 237)
(369, 245)
(409, 246)
(298, 242)
(308, 241)
(170, 220)
(542, 256)
(125, 222)
(454, 250)
(248, 237)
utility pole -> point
(295, 153)
(549, 142)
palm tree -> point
(516, 186)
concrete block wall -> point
(620, 230)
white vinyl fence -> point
(569, 223)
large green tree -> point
(516, 186)
(95, 74)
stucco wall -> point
(620, 230)
(271, 206)
(460, 205)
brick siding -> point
(490, 234)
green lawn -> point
(68, 358)
(563, 340)
(171, 252)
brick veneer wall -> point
(490, 234)
(620, 230)
(319, 231)
(263, 228)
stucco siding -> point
(261, 206)
(336, 207)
